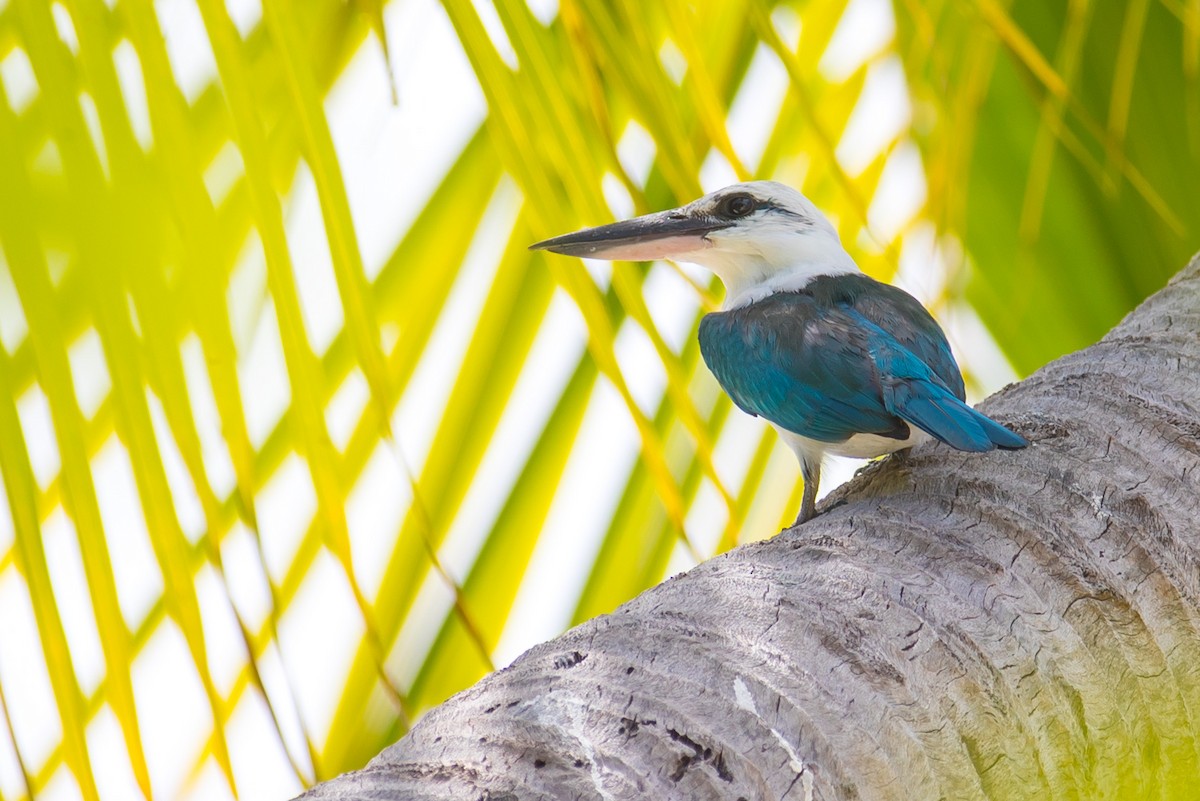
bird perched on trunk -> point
(835, 360)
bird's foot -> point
(803, 518)
(807, 512)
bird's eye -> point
(737, 206)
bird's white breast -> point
(859, 446)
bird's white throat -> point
(750, 275)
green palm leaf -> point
(153, 205)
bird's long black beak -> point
(662, 235)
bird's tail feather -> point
(941, 415)
(1002, 436)
(912, 392)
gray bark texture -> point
(1014, 625)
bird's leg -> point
(810, 469)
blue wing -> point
(806, 369)
(899, 314)
(844, 357)
(913, 393)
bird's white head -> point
(758, 237)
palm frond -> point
(195, 292)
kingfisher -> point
(836, 361)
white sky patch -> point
(133, 90)
(285, 507)
(698, 275)
(706, 518)
(65, 564)
(673, 62)
(495, 31)
(23, 671)
(927, 263)
(246, 292)
(835, 472)
(312, 265)
(320, 633)
(135, 569)
(222, 638)
(544, 10)
(61, 787)
(636, 151)
(246, 14)
(553, 357)
(65, 27)
(673, 304)
(110, 761)
(416, 417)
(866, 27)
(187, 506)
(38, 427)
(260, 765)
(430, 606)
(765, 516)
(346, 407)
(19, 82)
(11, 782)
(764, 88)
(600, 272)
(681, 559)
(218, 465)
(173, 712)
(617, 196)
(6, 522)
(640, 366)
(13, 325)
(393, 157)
(579, 516)
(375, 510)
(787, 24)
(922, 271)
(881, 114)
(716, 172)
(207, 785)
(279, 689)
(989, 369)
(263, 379)
(188, 47)
(244, 576)
(901, 192)
(222, 175)
(735, 445)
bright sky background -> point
(392, 157)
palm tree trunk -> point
(1014, 625)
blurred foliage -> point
(1059, 144)
(1064, 149)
